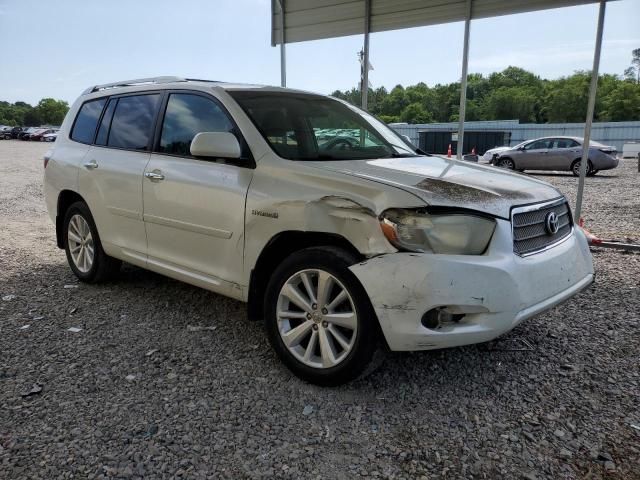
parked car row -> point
(555, 154)
(43, 134)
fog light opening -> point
(438, 317)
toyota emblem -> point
(551, 223)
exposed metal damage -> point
(341, 215)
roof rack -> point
(138, 81)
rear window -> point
(133, 122)
(86, 122)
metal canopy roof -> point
(316, 19)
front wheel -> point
(82, 244)
(507, 163)
(319, 318)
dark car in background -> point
(15, 131)
(26, 132)
(557, 154)
(40, 133)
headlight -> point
(418, 231)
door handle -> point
(154, 176)
(91, 165)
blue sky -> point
(58, 48)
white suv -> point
(335, 230)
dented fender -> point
(331, 203)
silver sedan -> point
(557, 153)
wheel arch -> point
(277, 249)
(66, 198)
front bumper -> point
(495, 291)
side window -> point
(186, 116)
(539, 145)
(103, 131)
(132, 123)
(86, 122)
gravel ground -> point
(165, 380)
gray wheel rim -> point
(317, 319)
(81, 245)
(576, 168)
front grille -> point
(529, 227)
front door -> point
(534, 156)
(194, 208)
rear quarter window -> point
(84, 127)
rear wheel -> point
(82, 244)
(575, 168)
(319, 318)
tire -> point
(80, 232)
(507, 163)
(317, 354)
(575, 167)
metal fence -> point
(609, 133)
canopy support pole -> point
(365, 60)
(283, 53)
(463, 82)
(590, 108)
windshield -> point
(301, 126)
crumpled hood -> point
(450, 183)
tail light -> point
(608, 151)
(47, 157)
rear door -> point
(194, 207)
(566, 150)
(111, 177)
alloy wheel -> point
(317, 319)
(81, 246)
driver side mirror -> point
(216, 145)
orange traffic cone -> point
(449, 151)
(591, 238)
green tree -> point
(395, 102)
(513, 93)
(566, 99)
(633, 72)
(507, 103)
(623, 103)
(52, 111)
(415, 113)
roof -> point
(179, 82)
(315, 19)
